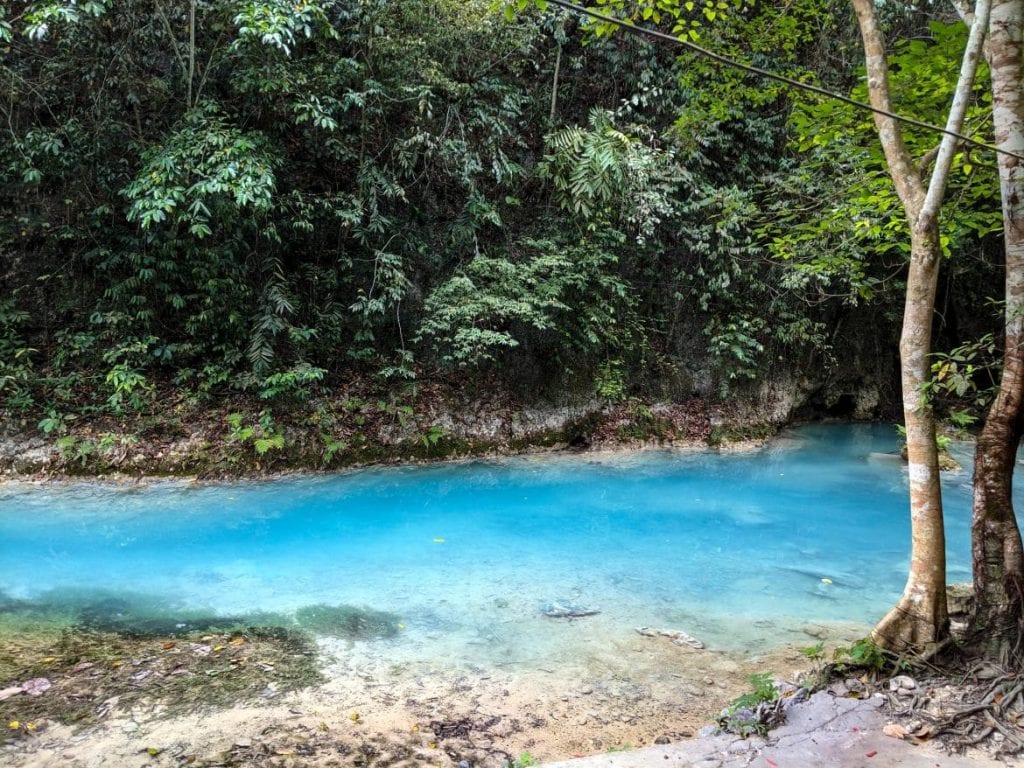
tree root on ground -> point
(982, 707)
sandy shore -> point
(380, 707)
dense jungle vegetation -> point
(273, 198)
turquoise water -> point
(467, 554)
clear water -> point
(467, 554)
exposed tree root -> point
(981, 706)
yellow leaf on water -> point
(354, 717)
(236, 641)
(14, 724)
(439, 541)
(49, 659)
(218, 648)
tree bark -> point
(998, 558)
(920, 617)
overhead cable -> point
(767, 74)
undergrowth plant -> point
(741, 715)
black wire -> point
(721, 59)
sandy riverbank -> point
(379, 707)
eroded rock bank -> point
(359, 423)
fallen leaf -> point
(872, 753)
(236, 641)
(169, 644)
(895, 730)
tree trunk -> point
(920, 617)
(996, 542)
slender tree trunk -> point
(996, 542)
(920, 617)
(191, 50)
(554, 85)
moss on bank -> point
(80, 656)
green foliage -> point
(843, 178)
(610, 381)
(685, 18)
(376, 190)
(55, 422)
(603, 173)
(816, 655)
(76, 449)
(41, 17)
(863, 654)
(294, 382)
(525, 760)
(205, 169)
(567, 295)
(331, 447)
(281, 24)
(968, 374)
(764, 690)
(740, 716)
(265, 436)
(814, 652)
(15, 357)
(433, 436)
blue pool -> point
(812, 528)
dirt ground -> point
(371, 707)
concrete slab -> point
(823, 732)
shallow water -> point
(738, 549)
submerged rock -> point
(677, 636)
(348, 621)
(560, 609)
